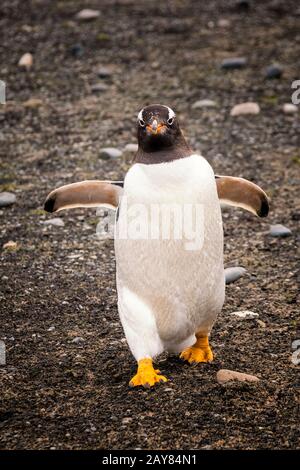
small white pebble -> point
(245, 108)
(289, 108)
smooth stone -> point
(26, 61)
(155, 65)
(289, 108)
(76, 50)
(99, 87)
(226, 375)
(33, 103)
(223, 23)
(104, 72)
(6, 199)
(204, 104)
(242, 5)
(56, 221)
(245, 315)
(109, 152)
(234, 63)
(245, 108)
(131, 148)
(233, 274)
(279, 230)
(78, 340)
(87, 14)
(273, 71)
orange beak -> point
(155, 127)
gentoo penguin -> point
(170, 277)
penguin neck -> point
(164, 154)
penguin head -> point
(157, 128)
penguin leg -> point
(138, 321)
(199, 352)
(146, 375)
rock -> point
(131, 148)
(87, 14)
(76, 50)
(245, 108)
(52, 328)
(242, 5)
(279, 230)
(26, 61)
(226, 375)
(126, 420)
(245, 315)
(6, 199)
(234, 63)
(11, 246)
(176, 26)
(105, 72)
(223, 23)
(99, 87)
(109, 152)
(233, 274)
(33, 103)
(78, 340)
(289, 108)
(56, 221)
(261, 323)
(273, 71)
(204, 104)
(155, 65)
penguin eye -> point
(170, 121)
(142, 122)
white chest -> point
(170, 201)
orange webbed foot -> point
(146, 375)
(199, 352)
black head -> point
(159, 134)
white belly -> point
(170, 274)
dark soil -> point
(59, 394)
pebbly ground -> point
(58, 285)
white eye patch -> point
(140, 115)
(171, 114)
